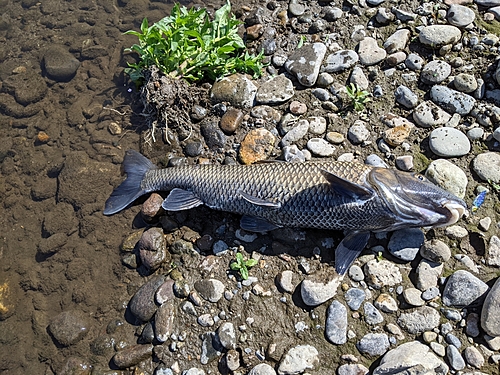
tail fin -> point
(135, 166)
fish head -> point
(414, 200)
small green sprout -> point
(494, 185)
(380, 256)
(241, 266)
(358, 97)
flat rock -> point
(237, 89)
(460, 16)
(382, 273)
(210, 289)
(421, 319)
(439, 35)
(462, 289)
(336, 323)
(262, 369)
(60, 64)
(275, 91)
(69, 327)
(374, 344)
(487, 166)
(397, 41)
(448, 176)
(493, 258)
(490, 314)
(164, 321)
(305, 63)
(427, 114)
(449, 142)
(298, 359)
(369, 52)
(435, 251)
(340, 61)
(435, 72)
(354, 297)
(428, 273)
(411, 357)
(296, 133)
(256, 146)
(451, 100)
(320, 147)
(132, 355)
(405, 243)
(315, 290)
(227, 335)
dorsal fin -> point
(345, 187)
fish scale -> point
(306, 197)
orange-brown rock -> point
(257, 145)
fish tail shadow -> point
(135, 166)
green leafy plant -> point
(241, 266)
(358, 97)
(187, 44)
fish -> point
(332, 195)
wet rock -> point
(427, 114)
(231, 120)
(60, 219)
(382, 273)
(427, 274)
(449, 142)
(397, 41)
(298, 359)
(262, 369)
(236, 89)
(320, 147)
(213, 135)
(463, 288)
(490, 314)
(340, 61)
(369, 52)
(210, 289)
(60, 64)
(422, 319)
(354, 297)
(336, 323)
(411, 357)
(256, 146)
(152, 249)
(487, 166)
(397, 135)
(405, 243)
(435, 72)
(305, 63)
(75, 366)
(451, 100)
(142, 305)
(315, 289)
(460, 16)
(132, 355)
(374, 344)
(275, 91)
(448, 176)
(439, 35)
(435, 251)
(69, 327)
(164, 321)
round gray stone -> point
(460, 16)
(60, 64)
(374, 344)
(336, 323)
(439, 35)
(435, 72)
(405, 243)
(427, 114)
(340, 61)
(463, 288)
(449, 142)
(487, 166)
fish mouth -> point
(455, 211)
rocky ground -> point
(142, 292)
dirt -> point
(57, 250)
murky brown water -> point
(58, 163)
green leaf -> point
(251, 262)
(235, 266)
(244, 273)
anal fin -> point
(256, 224)
(349, 249)
(179, 200)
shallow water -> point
(56, 182)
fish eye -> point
(420, 177)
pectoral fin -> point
(345, 187)
(256, 224)
(258, 201)
(349, 249)
(180, 199)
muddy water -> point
(58, 163)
